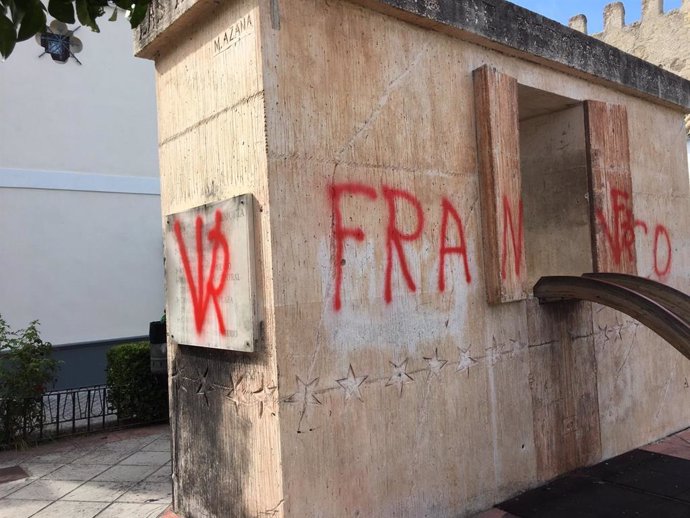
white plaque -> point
(209, 273)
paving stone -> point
(147, 458)
(76, 472)
(149, 492)
(163, 474)
(21, 508)
(169, 513)
(158, 445)
(103, 457)
(63, 457)
(674, 445)
(120, 510)
(126, 473)
(102, 491)
(44, 490)
(10, 487)
(71, 509)
(38, 470)
(131, 445)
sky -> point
(563, 10)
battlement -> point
(614, 16)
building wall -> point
(79, 191)
(413, 401)
(659, 37)
(459, 404)
(210, 87)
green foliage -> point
(133, 391)
(27, 370)
(22, 19)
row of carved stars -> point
(307, 393)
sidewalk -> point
(119, 474)
(652, 481)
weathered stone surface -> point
(657, 38)
(538, 38)
(495, 23)
(383, 383)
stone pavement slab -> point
(71, 509)
(653, 481)
(44, 490)
(123, 474)
(126, 473)
(148, 492)
(93, 491)
(147, 458)
(21, 508)
(76, 472)
(120, 510)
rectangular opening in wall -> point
(553, 163)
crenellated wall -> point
(663, 38)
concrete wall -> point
(462, 403)
(79, 191)
(375, 391)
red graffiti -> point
(394, 237)
(460, 249)
(515, 240)
(340, 233)
(661, 231)
(205, 291)
(620, 235)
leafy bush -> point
(27, 370)
(134, 392)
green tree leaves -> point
(33, 19)
(7, 36)
(22, 19)
(62, 10)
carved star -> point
(351, 385)
(606, 330)
(264, 396)
(204, 386)
(177, 371)
(618, 330)
(435, 365)
(400, 376)
(304, 393)
(465, 361)
(238, 394)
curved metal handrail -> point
(655, 316)
(671, 298)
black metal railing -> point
(60, 413)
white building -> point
(79, 197)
